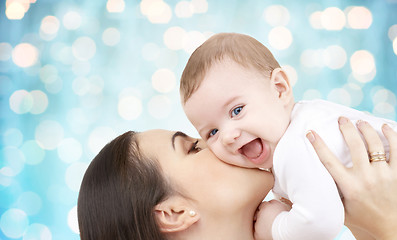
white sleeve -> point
(317, 211)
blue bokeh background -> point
(75, 74)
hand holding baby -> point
(266, 213)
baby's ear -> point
(280, 81)
(175, 214)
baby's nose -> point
(230, 136)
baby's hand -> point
(267, 212)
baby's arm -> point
(317, 211)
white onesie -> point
(317, 211)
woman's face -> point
(214, 186)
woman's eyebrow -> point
(177, 134)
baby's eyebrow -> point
(177, 134)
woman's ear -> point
(175, 214)
(280, 81)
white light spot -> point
(48, 134)
(280, 38)
(115, 6)
(70, 150)
(25, 55)
(276, 15)
(84, 48)
(73, 221)
(55, 86)
(15, 10)
(183, 9)
(315, 20)
(173, 38)
(99, 137)
(21, 101)
(384, 110)
(14, 222)
(48, 73)
(78, 120)
(72, 20)
(74, 175)
(335, 57)
(167, 59)
(14, 161)
(306, 58)
(12, 137)
(384, 95)
(395, 46)
(340, 95)
(29, 202)
(359, 18)
(81, 86)
(33, 153)
(150, 51)
(156, 11)
(40, 102)
(392, 33)
(93, 85)
(363, 67)
(355, 92)
(111, 36)
(37, 231)
(163, 80)
(362, 62)
(49, 28)
(96, 84)
(5, 51)
(192, 40)
(199, 6)
(333, 19)
(291, 73)
(129, 107)
(81, 68)
(311, 94)
(66, 55)
(160, 106)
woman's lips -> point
(255, 151)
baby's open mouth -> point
(252, 149)
(255, 151)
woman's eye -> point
(213, 132)
(194, 148)
(236, 111)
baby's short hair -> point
(243, 49)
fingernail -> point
(342, 120)
(310, 136)
(386, 127)
(360, 123)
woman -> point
(165, 185)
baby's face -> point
(239, 113)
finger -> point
(391, 136)
(354, 142)
(372, 139)
(331, 163)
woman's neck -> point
(231, 227)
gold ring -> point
(377, 156)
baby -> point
(241, 103)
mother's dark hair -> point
(118, 193)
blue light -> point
(75, 75)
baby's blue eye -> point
(236, 111)
(213, 132)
